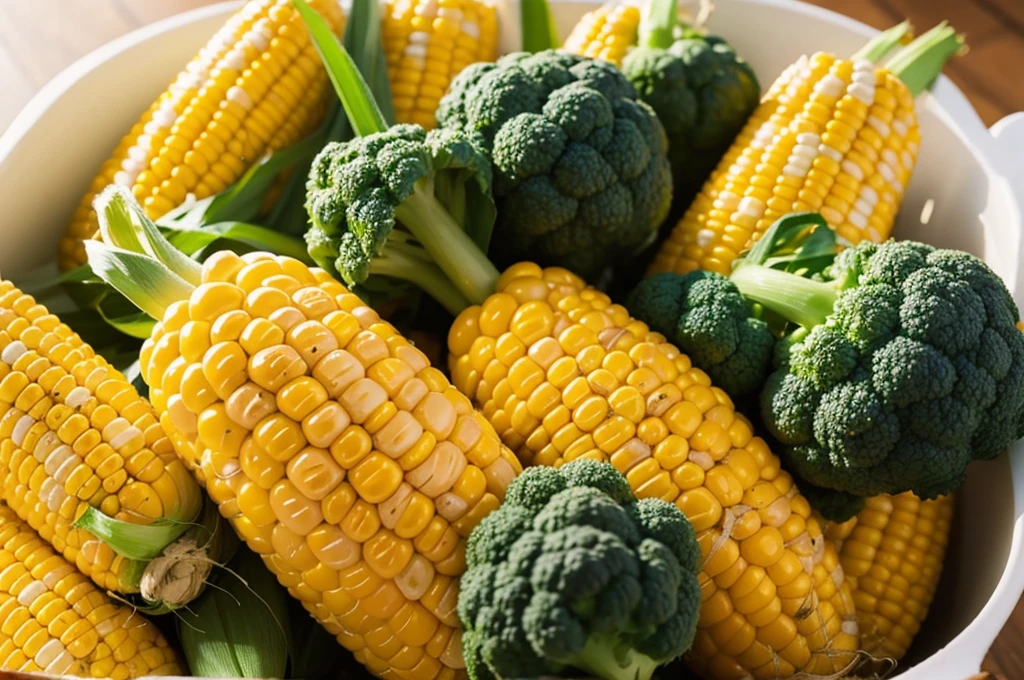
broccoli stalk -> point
(907, 364)
(608, 656)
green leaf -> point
(124, 224)
(538, 26)
(261, 238)
(239, 627)
(798, 243)
(135, 324)
(353, 92)
(140, 542)
(363, 42)
(148, 284)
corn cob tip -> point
(178, 576)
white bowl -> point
(967, 174)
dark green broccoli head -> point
(917, 369)
(705, 315)
(572, 572)
(703, 93)
(580, 168)
(358, 193)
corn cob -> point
(892, 555)
(427, 43)
(53, 620)
(835, 136)
(258, 85)
(75, 435)
(341, 457)
(607, 32)
(562, 373)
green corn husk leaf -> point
(148, 284)
(236, 629)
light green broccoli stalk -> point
(581, 175)
(908, 366)
(572, 572)
(702, 91)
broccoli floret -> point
(581, 174)
(359, 191)
(705, 315)
(594, 581)
(702, 91)
(907, 366)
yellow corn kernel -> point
(621, 394)
(218, 117)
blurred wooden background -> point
(38, 38)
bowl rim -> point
(964, 653)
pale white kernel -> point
(427, 9)
(830, 85)
(830, 152)
(62, 664)
(791, 170)
(874, 235)
(702, 459)
(805, 150)
(133, 167)
(239, 96)
(727, 200)
(751, 207)
(450, 13)
(878, 124)
(416, 51)
(54, 576)
(831, 215)
(886, 172)
(256, 38)
(862, 206)
(864, 78)
(106, 627)
(908, 160)
(419, 38)
(21, 429)
(152, 127)
(869, 195)
(858, 219)
(913, 147)
(862, 92)
(64, 471)
(50, 650)
(863, 65)
(705, 238)
(891, 158)
(77, 397)
(808, 138)
(235, 59)
(57, 458)
(164, 116)
(853, 170)
(900, 127)
(30, 592)
(13, 352)
(124, 179)
(471, 29)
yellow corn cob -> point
(336, 451)
(53, 620)
(562, 373)
(75, 433)
(831, 135)
(607, 32)
(258, 85)
(427, 43)
(892, 554)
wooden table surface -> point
(40, 37)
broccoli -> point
(435, 184)
(581, 174)
(573, 572)
(702, 91)
(705, 315)
(907, 366)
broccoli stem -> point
(794, 297)
(447, 244)
(606, 656)
(658, 24)
(921, 62)
(426, 275)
